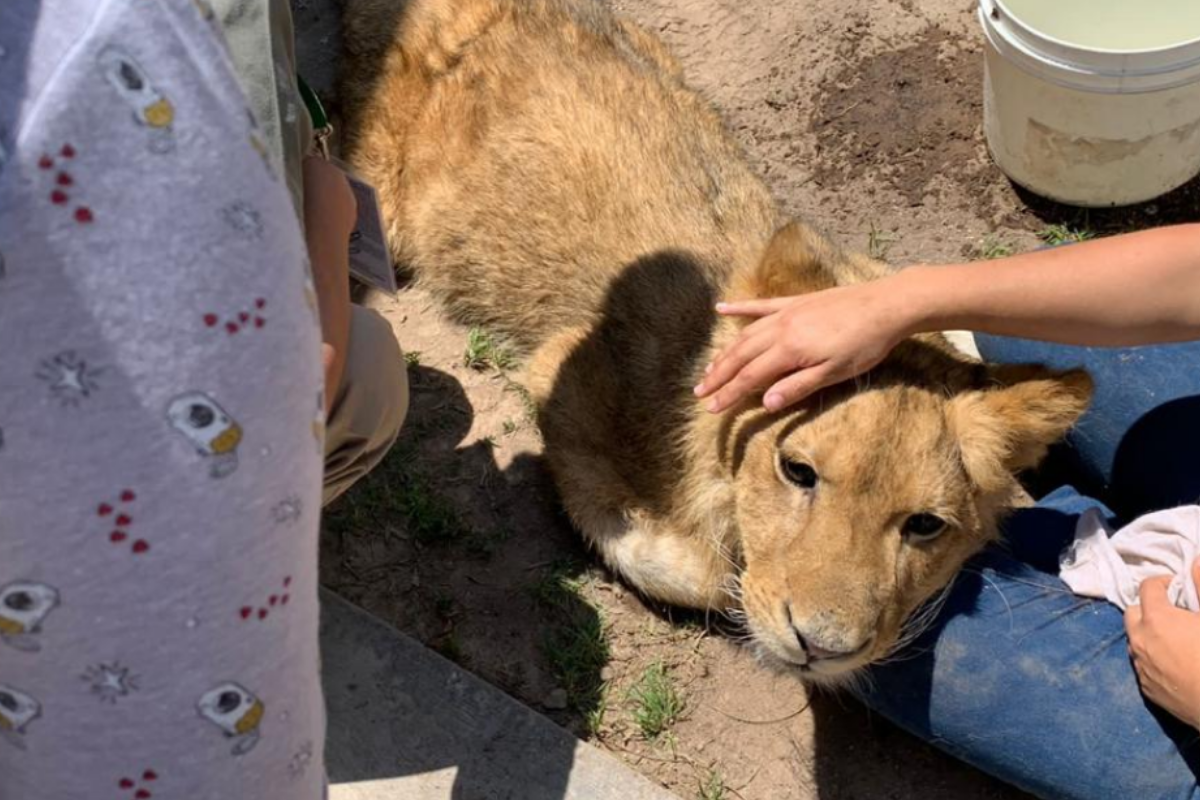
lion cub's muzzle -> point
(820, 643)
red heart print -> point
(262, 613)
(45, 162)
(123, 520)
(284, 600)
(104, 510)
(68, 151)
(142, 794)
(244, 317)
(259, 322)
(260, 303)
(116, 537)
(210, 320)
(58, 197)
(128, 496)
(140, 546)
(126, 783)
(287, 581)
(274, 599)
(232, 327)
(149, 775)
(64, 179)
(246, 612)
(83, 214)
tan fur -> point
(545, 172)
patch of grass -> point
(413, 358)
(594, 718)
(577, 651)
(484, 545)
(527, 404)
(993, 246)
(395, 491)
(1065, 234)
(880, 242)
(431, 518)
(713, 787)
(450, 647)
(484, 352)
(558, 585)
(443, 606)
(510, 427)
(657, 703)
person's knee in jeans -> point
(370, 405)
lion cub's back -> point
(556, 147)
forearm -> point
(329, 214)
(331, 274)
(1135, 289)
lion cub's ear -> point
(796, 261)
(1007, 427)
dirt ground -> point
(864, 116)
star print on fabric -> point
(244, 219)
(298, 764)
(288, 510)
(70, 378)
(110, 681)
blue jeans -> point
(1018, 676)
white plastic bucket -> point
(1086, 125)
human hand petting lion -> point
(812, 341)
(798, 345)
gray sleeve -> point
(261, 42)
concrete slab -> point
(406, 723)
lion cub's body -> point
(545, 172)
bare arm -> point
(1140, 288)
(329, 216)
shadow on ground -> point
(435, 542)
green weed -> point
(657, 703)
(484, 352)
(577, 651)
(880, 242)
(713, 787)
(1065, 234)
(431, 518)
(558, 586)
(994, 247)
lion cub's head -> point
(861, 505)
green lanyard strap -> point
(321, 127)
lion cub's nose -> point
(814, 652)
(819, 641)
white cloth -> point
(1112, 566)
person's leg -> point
(159, 474)
(1136, 446)
(1033, 685)
(370, 406)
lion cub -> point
(545, 172)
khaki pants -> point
(373, 399)
(370, 406)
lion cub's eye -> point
(923, 527)
(799, 473)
